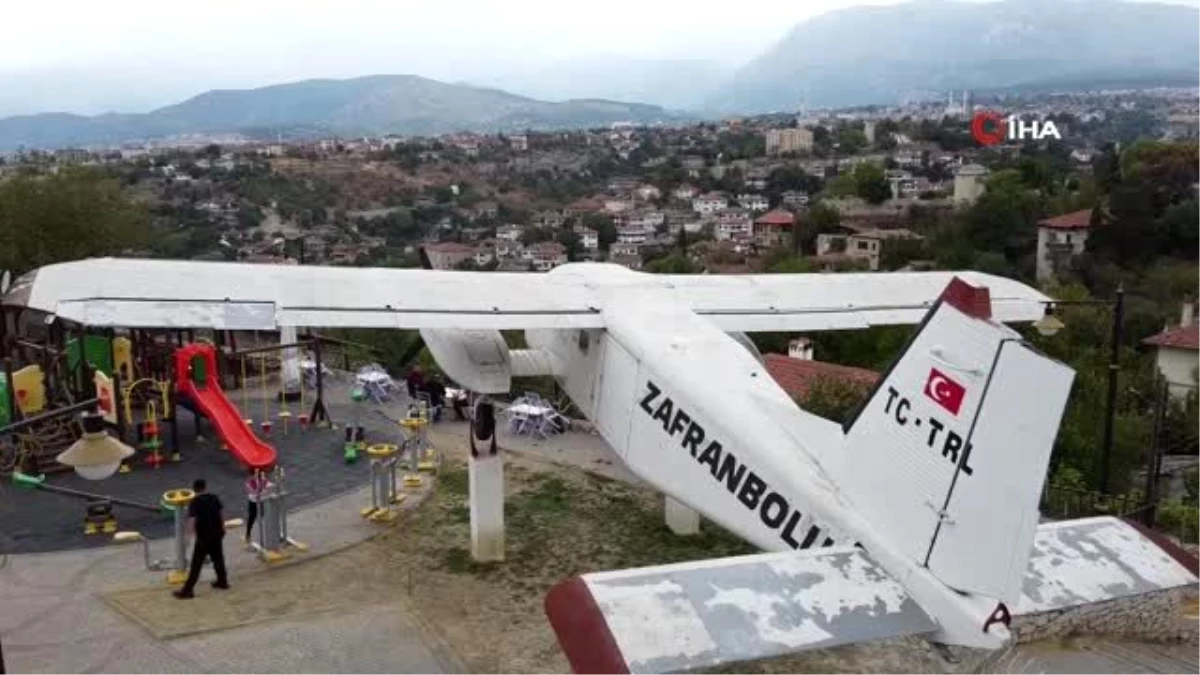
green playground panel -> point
(4, 419)
(199, 370)
(99, 353)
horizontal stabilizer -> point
(681, 617)
(1077, 562)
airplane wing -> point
(811, 302)
(694, 615)
(686, 616)
(189, 294)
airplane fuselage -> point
(693, 413)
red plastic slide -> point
(195, 379)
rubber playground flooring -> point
(33, 521)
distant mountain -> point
(379, 104)
(872, 54)
(679, 84)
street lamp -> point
(1050, 324)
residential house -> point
(781, 141)
(485, 210)
(519, 142)
(619, 205)
(547, 255)
(795, 199)
(908, 158)
(448, 254)
(485, 252)
(646, 192)
(633, 262)
(756, 178)
(693, 165)
(552, 219)
(677, 220)
(507, 248)
(510, 232)
(589, 239)
(774, 228)
(1176, 350)
(474, 233)
(622, 185)
(343, 254)
(969, 182)
(866, 245)
(633, 234)
(649, 220)
(797, 372)
(734, 224)
(685, 192)
(710, 203)
(1061, 239)
(753, 202)
(625, 248)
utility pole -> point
(1152, 464)
(1114, 367)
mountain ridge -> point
(368, 105)
(869, 54)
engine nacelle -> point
(477, 360)
(481, 361)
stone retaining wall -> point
(1150, 616)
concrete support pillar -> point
(682, 519)
(486, 486)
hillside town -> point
(843, 189)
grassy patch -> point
(566, 522)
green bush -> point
(1179, 518)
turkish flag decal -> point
(944, 391)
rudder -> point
(948, 456)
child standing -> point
(256, 485)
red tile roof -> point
(795, 376)
(776, 217)
(1076, 220)
(1179, 337)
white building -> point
(781, 141)
(734, 224)
(969, 183)
(588, 238)
(710, 203)
(753, 202)
(510, 232)
(1060, 239)
(1177, 348)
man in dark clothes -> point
(208, 528)
(437, 396)
(415, 381)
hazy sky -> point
(90, 56)
(133, 55)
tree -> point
(871, 183)
(75, 213)
(851, 140)
(833, 398)
(573, 242)
(675, 263)
(606, 231)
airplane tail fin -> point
(948, 456)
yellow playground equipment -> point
(284, 413)
(29, 387)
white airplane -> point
(919, 517)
